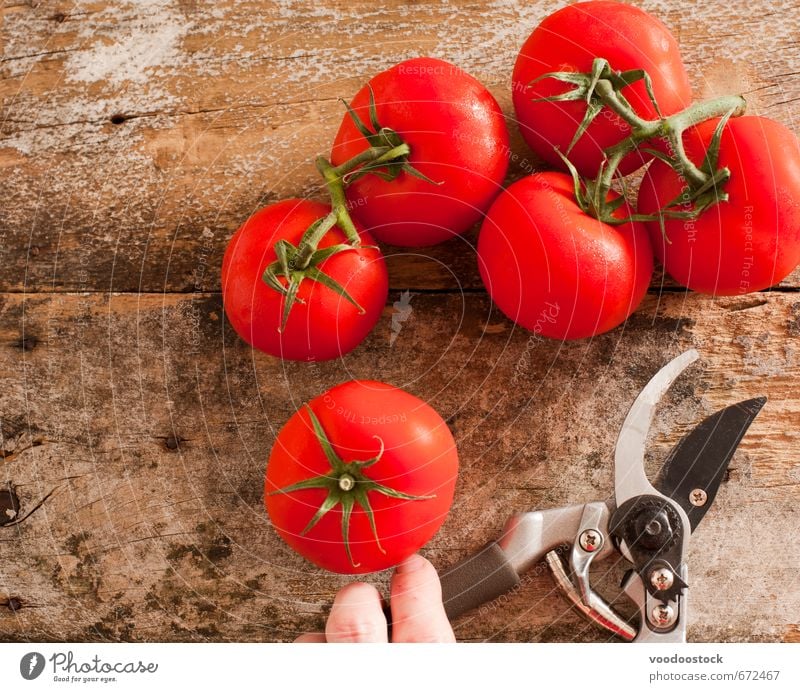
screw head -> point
(698, 497)
(662, 615)
(661, 578)
(591, 540)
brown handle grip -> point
(476, 580)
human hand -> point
(416, 605)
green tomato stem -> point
(386, 157)
(670, 129)
(311, 240)
(610, 98)
(336, 181)
(602, 88)
(346, 482)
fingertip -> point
(356, 616)
(413, 563)
(357, 593)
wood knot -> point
(13, 604)
(26, 343)
(173, 442)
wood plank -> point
(142, 426)
(135, 138)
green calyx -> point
(347, 486)
(296, 263)
(602, 88)
(588, 87)
(381, 137)
(386, 157)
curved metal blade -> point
(699, 460)
(629, 476)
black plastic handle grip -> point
(476, 580)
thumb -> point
(416, 602)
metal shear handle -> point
(528, 539)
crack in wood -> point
(16, 58)
(783, 103)
(124, 117)
(394, 288)
(749, 306)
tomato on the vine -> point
(458, 140)
(569, 40)
(361, 477)
(749, 242)
(554, 269)
(322, 324)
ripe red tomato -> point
(326, 325)
(568, 41)
(458, 137)
(748, 243)
(554, 269)
(408, 484)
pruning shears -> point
(648, 525)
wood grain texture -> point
(146, 424)
(135, 136)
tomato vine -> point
(602, 88)
(386, 157)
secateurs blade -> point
(649, 526)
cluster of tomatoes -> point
(458, 145)
(599, 90)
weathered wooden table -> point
(135, 137)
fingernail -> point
(411, 564)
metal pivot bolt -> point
(662, 615)
(661, 578)
(698, 497)
(591, 540)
